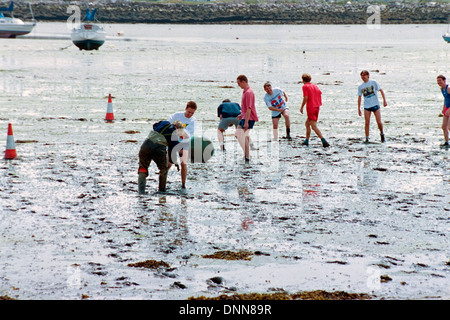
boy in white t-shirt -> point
(188, 120)
(369, 89)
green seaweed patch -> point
(302, 295)
(230, 255)
(150, 264)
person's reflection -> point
(167, 222)
(245, 200)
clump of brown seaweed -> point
(150, 264)
(302, 295)
(230, 255)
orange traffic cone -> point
(109, 112)
(10, 152)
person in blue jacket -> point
(228, 113)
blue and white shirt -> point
(276, 100)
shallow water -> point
(334, 219)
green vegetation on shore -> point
(247, 11)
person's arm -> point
(189, 130)
(183, 134)
(279, 109)
(384, 97)
(285, 97)
(247, 117)
(305, 100)
(359, 106)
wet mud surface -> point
(325, 219)
(365, 219)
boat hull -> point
(11, 31)
(446, 37)
(88, 37)
(88, 44)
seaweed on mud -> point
(302, 295)
(150, 264)
(230, 255)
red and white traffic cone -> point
(109, 112)
(10, 152)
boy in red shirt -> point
(312, 98)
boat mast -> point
(31, 10)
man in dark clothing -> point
(164, 136)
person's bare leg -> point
(445, 127)
(367, 115)
(221, 138)
(240, 136)
(308, 129)
(378, 119)
(247, 144)
(183, 160)
(287, 122)
(275, 122)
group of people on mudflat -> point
(172, 137)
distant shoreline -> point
(239, 13)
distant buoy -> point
(201, 149)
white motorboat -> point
(88, 36)
(11, 27)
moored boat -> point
(10, 27)
(88, 36)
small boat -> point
(88, 36)
(446, 37)
(11, 27)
